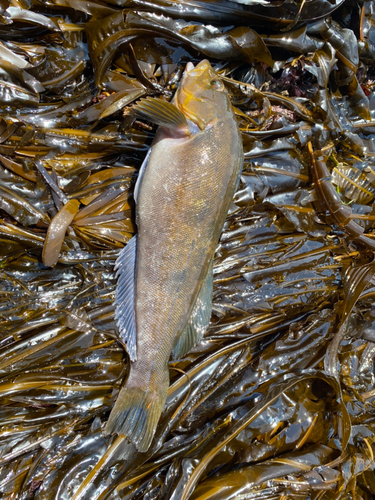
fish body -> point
(182, 202)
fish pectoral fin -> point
(125, 297)
(160, 112)
(199, 319)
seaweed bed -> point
(277, 401)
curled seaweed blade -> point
(18, 169)
(19, 208)
(106, 37)
(355, 280)
(108, 106)
(353, 184)
(247, 480)
(273, 394)
(56, 232)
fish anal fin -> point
(160, 112)
(125, 297)
(199, 319)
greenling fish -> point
(164, 291)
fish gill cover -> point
(277, 400)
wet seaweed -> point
(277, 400)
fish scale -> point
(193, 207)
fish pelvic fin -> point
(136, 414)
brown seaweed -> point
(277, 400)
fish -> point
(165, 273)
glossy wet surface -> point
(277, 401)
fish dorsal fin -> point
(125, 297)
(160, 112)
(199, 318)
(140, 175)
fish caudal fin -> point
(136, 415)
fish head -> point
(201, 95)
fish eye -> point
(217, 84)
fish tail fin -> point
(136, 415)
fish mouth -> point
(198, 70)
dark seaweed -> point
(277, 400)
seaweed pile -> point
(277, 401)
